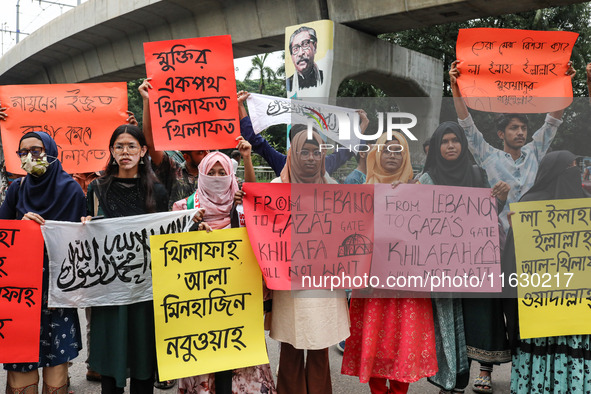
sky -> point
(36, 13)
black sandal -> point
(166, 385)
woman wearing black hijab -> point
(47, 192)
(556, 364)
(473, 324)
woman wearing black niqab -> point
(467, 328)
(550, 364)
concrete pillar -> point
(415, 78)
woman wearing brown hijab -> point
(307, 320)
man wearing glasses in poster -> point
(302, 47)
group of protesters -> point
(390, 342)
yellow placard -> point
(208, 303)
(553, 256)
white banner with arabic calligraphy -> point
(105, 262)
(266, 111)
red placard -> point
(518, 71)
(308, 236)
(193, 105)
(80, 117)
(21, 273)
(267, 209)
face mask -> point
(35, 167)
(215, 186)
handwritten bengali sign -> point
(424, 234)
(193, 105)
(208, 303)
(79, 117)
(553, 276)
(311, 236)
(105, 262)
(507, 70)
(21, 272)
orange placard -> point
(21, 273)
(193, 104)
(80, 117)
(518, 71)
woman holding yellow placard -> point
(560, 364)
(216, 191)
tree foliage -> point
(264, 72)
(275, 135)
(134, 99)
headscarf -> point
(54, 195)
(216, 193)
(556, 179)
(456, 172)
(292, 172)
(375, 172)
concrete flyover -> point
(101, 40)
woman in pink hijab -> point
(216, 188)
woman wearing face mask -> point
(392, 339)
(464, 328)
(216, 191)
(46, 193)
(307, 320)
(122, 343)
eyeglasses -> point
(305, 154)
(35, 152)
(305, 45)
(390, 153)
(132, 149)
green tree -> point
(264, 72)
(134, 100)
(354, 88)
(280, 72)
(275, 135)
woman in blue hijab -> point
(47, 192)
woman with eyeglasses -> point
(314, 319)
(122, 343)
(392, 339)
(47, 192)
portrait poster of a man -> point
(310, 48)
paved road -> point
(341, 384)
